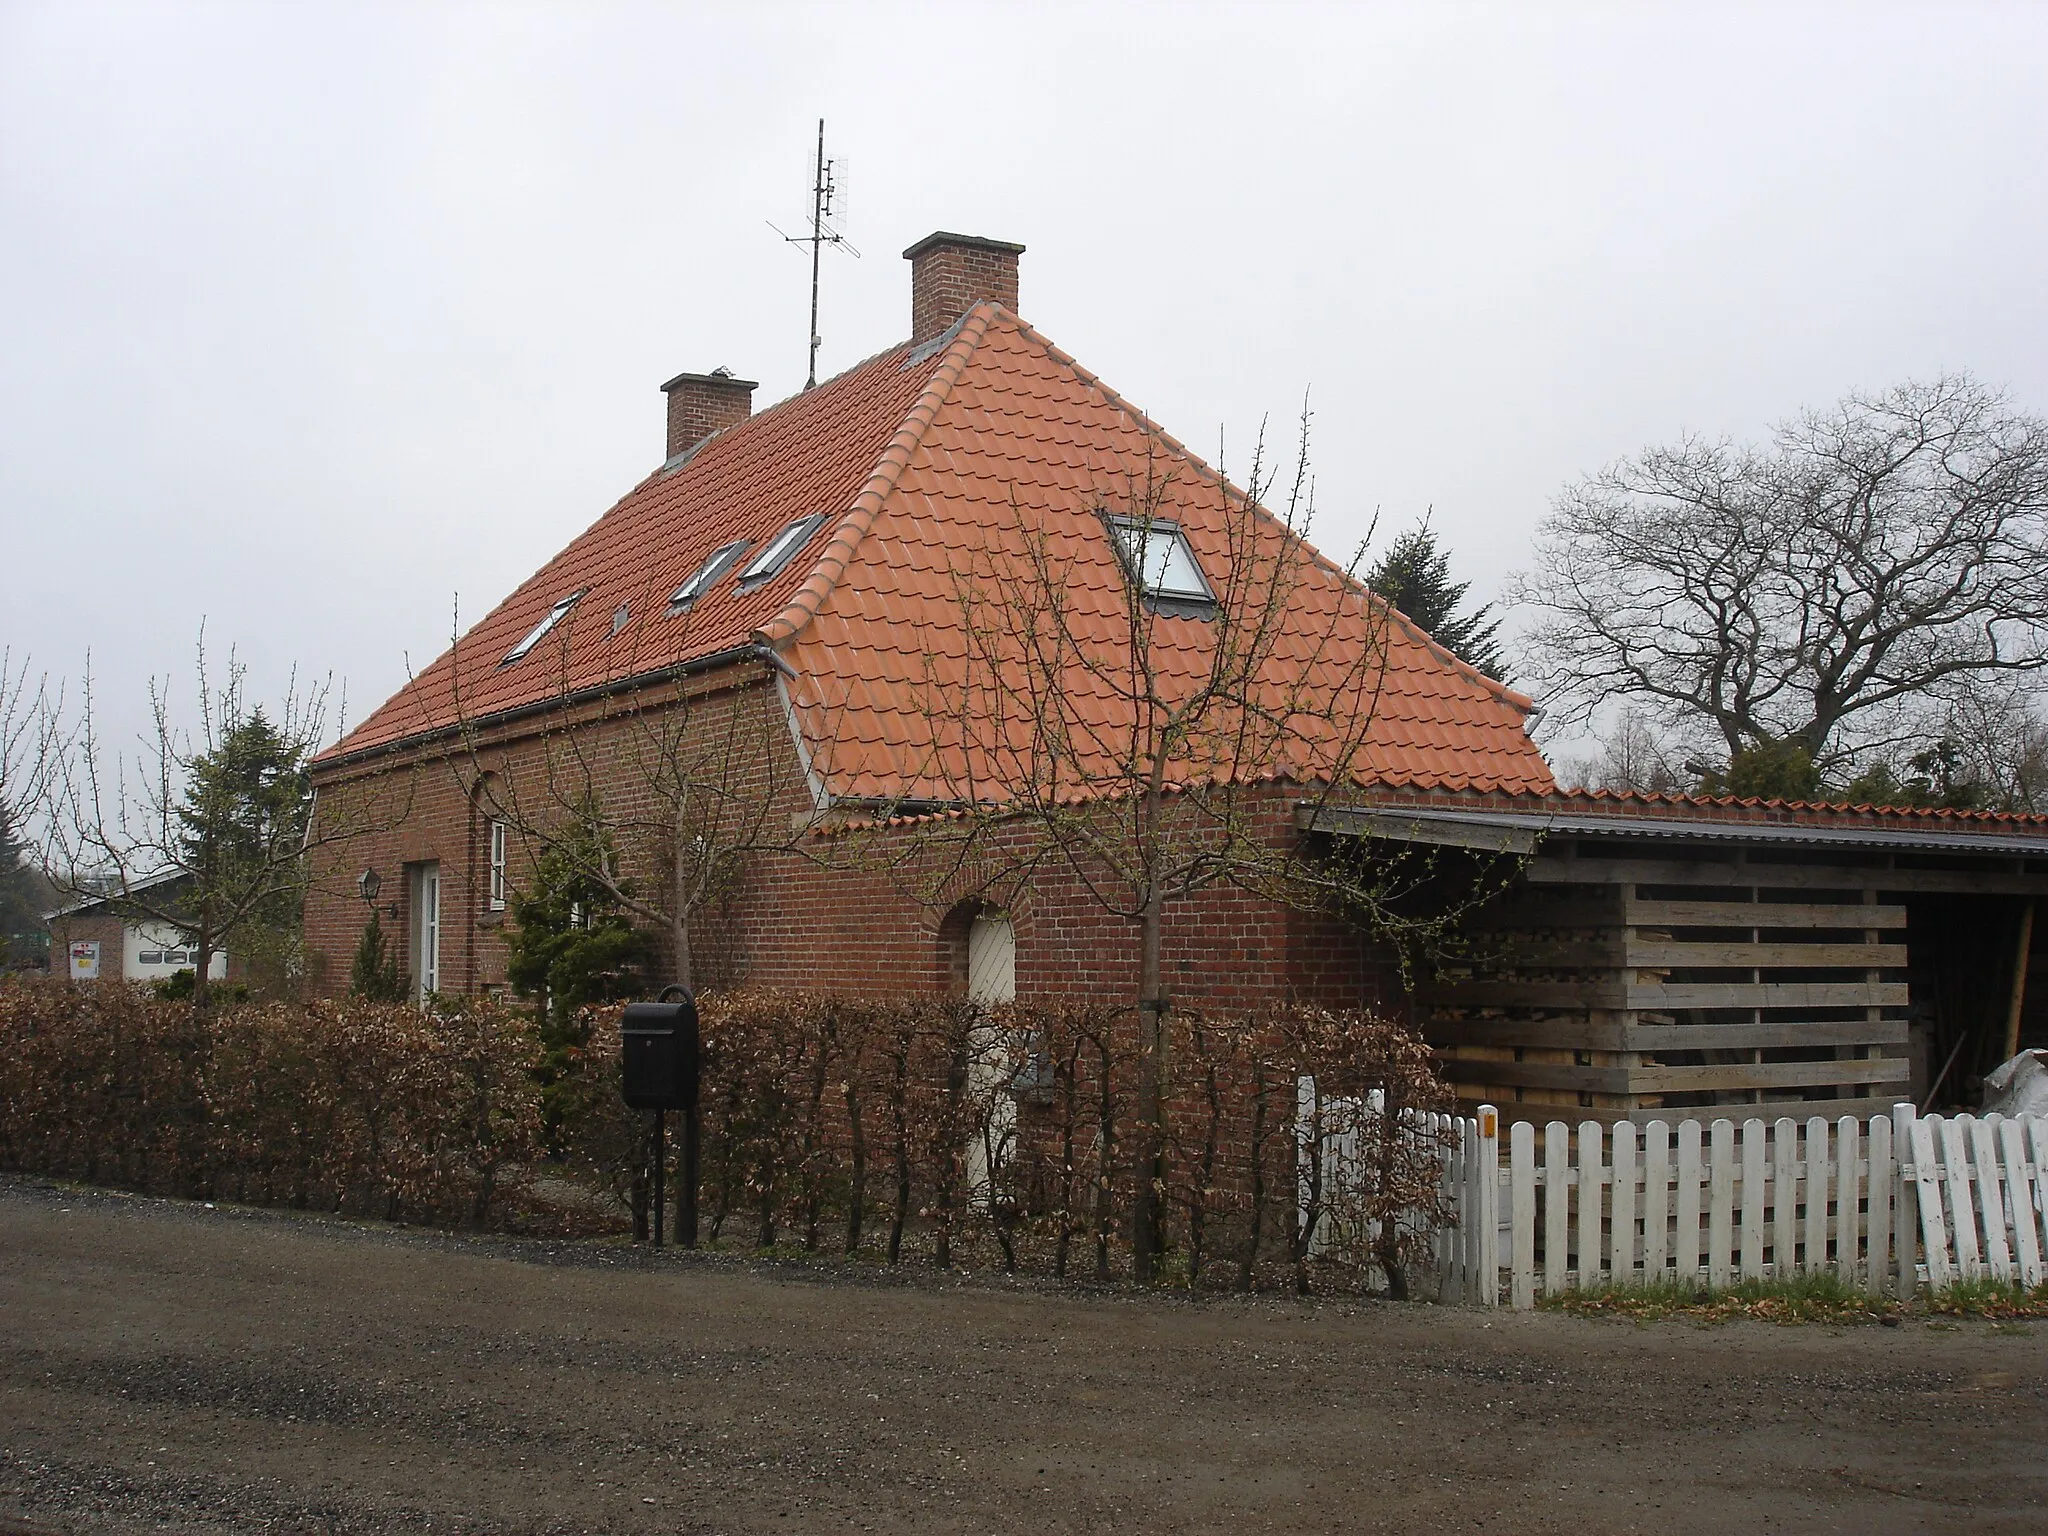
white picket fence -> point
(1467, 1253)
(1890, 1205)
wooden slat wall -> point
(1624, 988)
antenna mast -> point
(824, 191)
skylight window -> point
(716, 565)
(1159, 558)
(539, 631)
(780, 549)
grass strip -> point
(1811, 1298)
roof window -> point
(1160, 560)
(780, 549)
(539, 631)
(715, 565)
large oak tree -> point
(1834, 593)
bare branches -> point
(1135, 737)
(1840, 588)
(206, 830)
(31, 738)
(686, 773)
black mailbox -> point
(659, 1070)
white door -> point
(991, 960)
(991, 979)
(426, 930)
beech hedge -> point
(1000, 1136)
(373, 1109)
(890, 1129)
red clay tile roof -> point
(933, 463)
(811, 453)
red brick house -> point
(788, 587)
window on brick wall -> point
(498, 846)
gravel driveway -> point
(167, 1367)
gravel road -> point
(169, 1367)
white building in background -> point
(92, 940)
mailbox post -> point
(660, 1056)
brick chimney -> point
(950, 274)
(700, 404)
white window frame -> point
(716, 564)
(499, 840)
(781, 549)
(1137, 540)
(539, 631)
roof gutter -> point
(753, 650)
(1522, 832)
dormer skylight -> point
(1159, 558)
(780, 550)
(539, 631)
(715, 565)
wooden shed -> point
(1682, 956)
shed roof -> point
(1521, 830)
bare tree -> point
(30, 744)
(29, 738)
(205, 830)
(682, 769)
(1137, 750)
(1994, 747)
(1631, 756)
(1834, 591)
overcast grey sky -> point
(313, 318)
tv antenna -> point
(824, 193)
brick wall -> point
(843, 925)
(106, 929)
(950, 274)
(435, 804)
(880, 913)
(702, 403)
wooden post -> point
(2019, 981)
(1489, 1205)
(1522, 1214)
(687, 1175)
(1883, 1193)
(660, 1157)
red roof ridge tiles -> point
(1216, 477)
(832, 560)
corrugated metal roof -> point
(1520, 831)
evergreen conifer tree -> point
(21, 920)
(1415, 576)
(571, 944)
(375, 974)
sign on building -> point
(85, 959)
